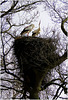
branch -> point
(14, 75)
(3, 52)
(65, 90)
(9, 50)
(52, 83)
(56, 95)
(62, 26)
(63, 98)
(27, 5)
(11, 35)
(49, 5)
(13, 5)
(7, 80)
(3, 2)
(23, 7)
(5, 62)
(60, 60)
(11, 88)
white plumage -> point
(27, 29)
(37, 31)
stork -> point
(27, 29)
(37, 31)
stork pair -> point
(29, 28)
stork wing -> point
(27, 29)
(24, 31)
(36, 31)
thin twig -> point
(12, 7)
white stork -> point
(27, 29)
(37, 31)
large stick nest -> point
(35, 52)
(36, 57)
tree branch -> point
(65, 89)
(3, 2)
(13, 5)
(62, 26)
(3, 52)
(11, 88)
(49, 5)
(5, 62)
(14, 75)
(60, 60)
(23, 7)
(52, 82)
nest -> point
(36, 56)
(35, 52)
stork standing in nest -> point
(37, 31)
(27, 29)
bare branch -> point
(9, 50)
(52, 82)
(62, 26)
(14, 75)
(63, 98)
(3, 52)
(10, 88)
(48, 4)
(61, 59)
(56, 95)
(25, 7)
(12, 7)
(3, 2)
